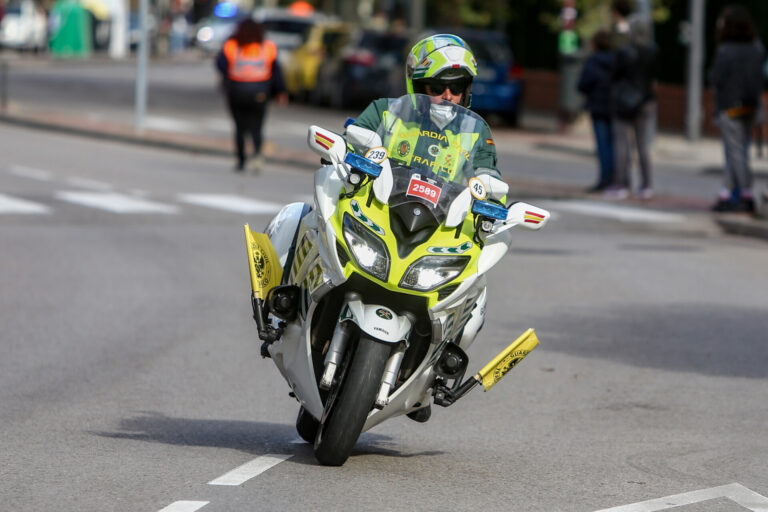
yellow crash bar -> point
(509, 357)
(263, 262)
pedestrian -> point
(634, 109)
(251, 76)
(736, 76)
(595, 84)
(620, 13)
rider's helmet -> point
(442, 58)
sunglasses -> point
(438, 88)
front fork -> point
(380, 323)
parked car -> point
(498, 87)
(323, 42)
(287, 29)
(370, 66)
(211, 32)
(24, 26)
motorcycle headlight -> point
(368, 250)
(429, 272)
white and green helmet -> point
(442, 57)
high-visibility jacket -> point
(444, 149)
(250, 63)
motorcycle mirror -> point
(527, 216)
(327, 144)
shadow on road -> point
(253, 437)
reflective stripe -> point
(251, 63)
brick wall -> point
(542, 94)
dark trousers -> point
(248, 111)
(604, 140)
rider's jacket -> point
(438, 143)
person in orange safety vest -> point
(250, 77)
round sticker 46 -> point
(377, 154)
(477, 188)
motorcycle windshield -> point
(431, 145)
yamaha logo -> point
(384, 313)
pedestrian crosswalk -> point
(10, 204)
(127, 204)
(114, 202)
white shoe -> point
(645, 193)
(256, 164)
(619, 193)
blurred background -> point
(344, 53)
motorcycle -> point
(367, 299)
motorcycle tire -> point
(338, 434)
(306, 426)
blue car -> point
(498, 87)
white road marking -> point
(184, 506)
(28, 172)
(10, 204)
(615, 211)
(113, 202)
(735, 492)
(231, 203)
(76, 181)
(242, 474)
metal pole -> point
(142, 64)
(695, 71)
(417, 16)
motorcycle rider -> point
(442, 66)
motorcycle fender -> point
(292, 355)
(379, 322)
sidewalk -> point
(540, 138)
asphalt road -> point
(130, 376)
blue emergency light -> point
(490, 210)
(364, 165)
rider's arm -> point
(486, 168)
(372, 116)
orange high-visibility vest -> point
(251, 63)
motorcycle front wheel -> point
(338, 434)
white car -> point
(24, 26)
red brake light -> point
(515, 72)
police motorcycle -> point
(368, 299)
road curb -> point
(198, 145)
(137, 139)
(735, 224)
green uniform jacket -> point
(485, 157)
